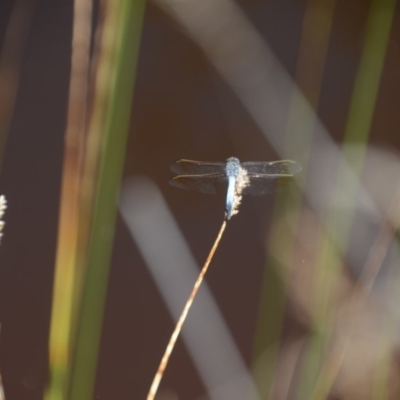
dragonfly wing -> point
(206, 183)
(281, 167)
(190, 167)
(261, 184)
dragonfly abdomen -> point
(230, 195)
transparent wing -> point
(264, 184)
(206, 183)
(282, 167)
(190, 167)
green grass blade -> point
(127, 25)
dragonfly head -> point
(233, 160)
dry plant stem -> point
(333, 362)
(69, 244)
(181, 320)
(3, 206)
(2, 396)
(11, 56)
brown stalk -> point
(164, 361)
(11, 61)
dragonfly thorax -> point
(232, 167)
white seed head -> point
(3, 206)
(242, 181)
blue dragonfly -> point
(234, 178)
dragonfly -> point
(234, 178)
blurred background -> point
(301, 299)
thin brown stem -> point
(164, 361)
(11, 55)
